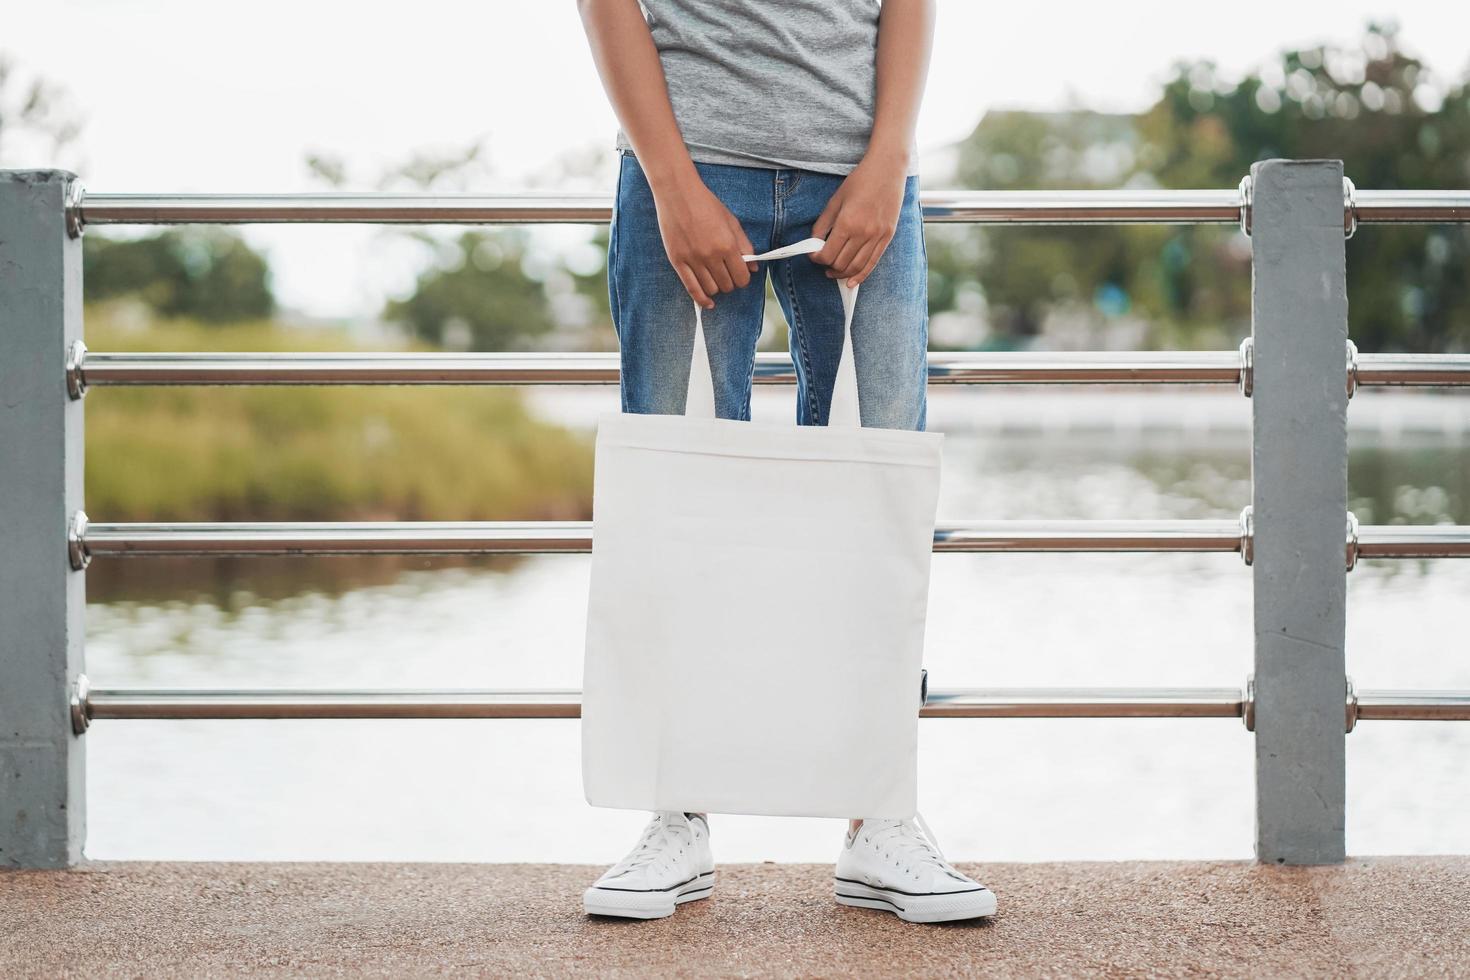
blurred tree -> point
(1370, 105)
(208, 274)
(476, 296)
(1394, 126)
(591, 282)
(35, 114)
(476, 292)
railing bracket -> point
(76, 541)
(80, 714)
(1352, 369)
(76, 378)
(1247, 381)
(1352, 541)
(1247, 535)
(73, 207)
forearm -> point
(905, 38)
(629, 66)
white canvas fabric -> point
(755, 620)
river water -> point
(1001, 790)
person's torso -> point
(775, 83)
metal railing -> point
(87, 540)
(1202, 702)
(90, 540)
(86, 369)
(940, 206)
(1411, 370)
(1291, 212)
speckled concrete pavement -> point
(1384, 917)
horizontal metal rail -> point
(1205, 702)
(977, 207)
(959, 703)
(1088, 536)
(1412, 370)
(216, 704)
(1103, 207)
(1414, 541)
(1411, 207)
(88, 368)
(89, 540)
(1413, 705)
(1191, 702)
(343, 208)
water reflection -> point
(994, 790)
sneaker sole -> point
(952, 907)
(646, 905)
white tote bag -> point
(755, 620)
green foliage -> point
(1370, 105)
(478, 292)
(318, 453)
(1379, 111)
(478, 296)
(206, 274)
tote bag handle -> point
(700, 399)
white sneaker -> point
(672, 864)
(895, 866)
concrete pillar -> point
(1299, 505)
(42, 784)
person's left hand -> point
(859, 220)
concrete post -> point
(42, 600)
(1299, 505)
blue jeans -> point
(654, 316)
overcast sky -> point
(194, 96)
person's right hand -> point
(704, 242)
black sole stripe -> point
(900, 891)
(649, 891)
(872, 898)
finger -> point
(859, 261)
(746, 248)
(822, 227)
(842, 264)
(871, 264)
(692, 287)
(737, 267)
(737, 271)
(707, 282)
(828, 253)
(719, 269)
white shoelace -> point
(911, 840)
(646, 853)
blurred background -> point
(152, 95)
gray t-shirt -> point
(770, 83)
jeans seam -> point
(800, 333)
(750, 365)
(617, 297)
(750, 378)
(924, 311)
